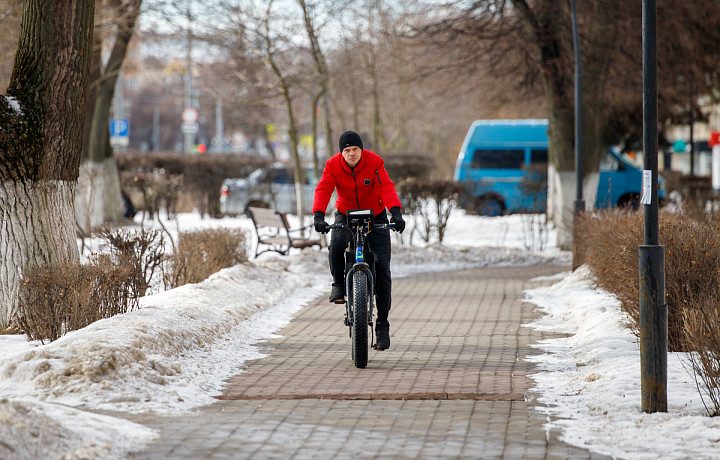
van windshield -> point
(498, 159)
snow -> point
(590, 380)
(172, 355)
(14, 104)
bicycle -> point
(359, 281)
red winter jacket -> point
(368, 186)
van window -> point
(498, 159)
(538, 156)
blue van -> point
(503, 168)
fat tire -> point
(359, 329)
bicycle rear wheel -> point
(359, 329)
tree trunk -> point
(313, 130)
(292, 128)
(324, 77)
(37, 229)
(559, 91)
(41, 133)
(99, 199)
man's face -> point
(352, 155)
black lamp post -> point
(579, 202)
(653, 310)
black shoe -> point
(337, 294)
(382, 331)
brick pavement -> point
(454, 383)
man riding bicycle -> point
(361, 181)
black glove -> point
(397, 219)
(320, 225)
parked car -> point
(503, 167)
(272, 187)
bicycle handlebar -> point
(390, 225)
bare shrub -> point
(201, 253)
(143, 250)
(609, 245)
(430, 202)
(157, 189)
(702, 332)
(54, 300)
(201, 175)
(401, 167)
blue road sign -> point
(119, 127)
(119, 132)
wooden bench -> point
(273, 230)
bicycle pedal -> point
(339, 301)
(375, 347)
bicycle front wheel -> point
(359, 329)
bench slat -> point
(273, 230)
(267, 217)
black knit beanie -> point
(349, 139)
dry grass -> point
(200, 254)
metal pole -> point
(219, 127)
(156, 129)
(692, 133)
(189, 136)
(579, 201)
(653, 310)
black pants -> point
(379, 241)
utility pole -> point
(653, 309)
(219, 128)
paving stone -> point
(454, 383)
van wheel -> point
(491, 207)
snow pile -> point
(31, 430)
(158, 358)
(591, 380)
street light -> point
(653, 310)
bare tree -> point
(323, 76)
(98, 198)
(285, 86)
(530, 43)
(41, 121)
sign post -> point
(189, 126)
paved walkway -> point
(454, 383)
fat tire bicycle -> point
(360, 281)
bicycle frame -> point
(360, 224)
